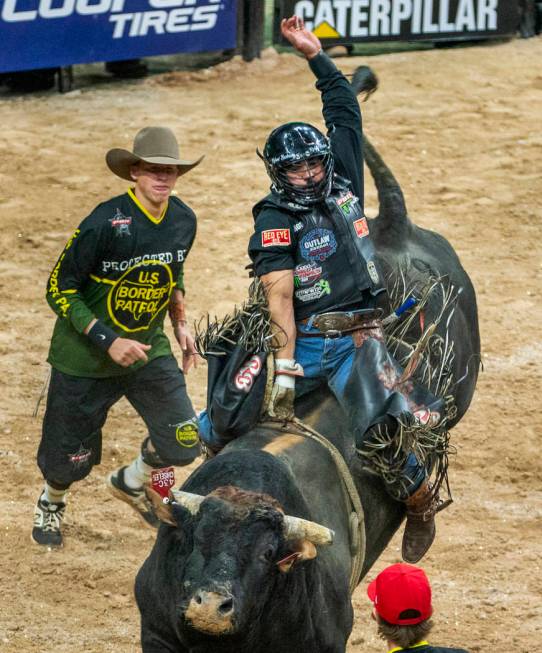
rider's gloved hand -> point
(281, 405)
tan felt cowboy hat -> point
(153, 145)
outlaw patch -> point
(318, 245)
(139, 295)
(314, 292)
(306, 274)
(361, 227)
(121, 223)
(346, 202)
(187, 434)
(244, 378)
(276, 237)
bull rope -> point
(350, 493)
(357, 516)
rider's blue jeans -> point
(332, 360)
(337, 362)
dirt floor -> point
(461, 130)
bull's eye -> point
(269, 554)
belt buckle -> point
(333, 333)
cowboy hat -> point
(152, 145)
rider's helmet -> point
(290, 145)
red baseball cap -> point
(399, 588)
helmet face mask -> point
(299, 162)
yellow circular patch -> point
(187, 434)
(139, 295)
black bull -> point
(212, 582)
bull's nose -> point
(223, 604)
(211, 612)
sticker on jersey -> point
(371, 269)
(162, 480)
(276, 237)
(306, 274)
(318, 245)
(139, 295)
(186, 433)
(297, 227)
(244, 378)
(121, 224)
(313, 293)
(346, 202)
(361, 227)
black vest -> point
(335, 262)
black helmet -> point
(289, 145)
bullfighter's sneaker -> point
(134, 498)
(47, 519)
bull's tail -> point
(393, 211)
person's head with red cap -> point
(401, 596)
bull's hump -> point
(283, 443)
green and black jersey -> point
(120, 266)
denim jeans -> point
(339, 363)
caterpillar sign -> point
(50, 33)
(350, 21)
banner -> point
(50, 33)
(355, 21)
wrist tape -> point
(101, 336)
(286, 369)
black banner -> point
(363, 21)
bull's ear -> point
(162, 510)
(301, 550)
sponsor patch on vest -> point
(139, 295)
(320, 289)
(371, 269)
(345, 202)
(318, 245)
(361, 227)
(297, 227)
(273, 237)
(306, 273)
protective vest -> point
(335, 263)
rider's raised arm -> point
(340, 106)
(342, 116)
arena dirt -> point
(461, 130)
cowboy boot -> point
(420, 528)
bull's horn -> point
(191, 502)
(301, 529)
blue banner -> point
(50, 33)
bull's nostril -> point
(226, 606)
(198, 599)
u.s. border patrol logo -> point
(139, 295)
(186, 434)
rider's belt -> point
(339, 323)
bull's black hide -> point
(222, 553)
(233, 555)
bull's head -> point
(241, 543)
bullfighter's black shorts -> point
(77, 408)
